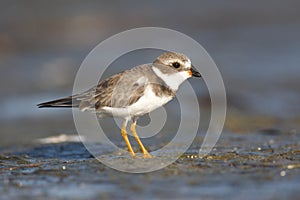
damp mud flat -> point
(248, 166)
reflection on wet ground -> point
(257, 166)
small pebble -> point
(64, 167)
(282, 173)
(259, 148)
(291, 166)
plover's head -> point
(174, 68)
(178, 62)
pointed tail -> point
(67, 102)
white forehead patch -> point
(188, 63)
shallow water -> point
(252, 166)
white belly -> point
(147, 103)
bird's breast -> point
(149, 102)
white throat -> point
(172, 80)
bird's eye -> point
(176, 64)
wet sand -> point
(248, 166)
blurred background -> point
(255, 44)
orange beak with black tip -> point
(194, 72)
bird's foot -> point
(133, 155)
(147, 155)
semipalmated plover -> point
(134, 92)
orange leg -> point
(125, 137)
(133, 131)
